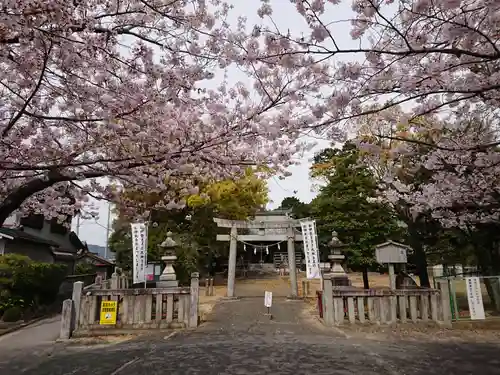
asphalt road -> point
(241, 340)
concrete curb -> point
(23, 325)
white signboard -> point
(311, 250)
(475, 297)
(139, 251)
(268, 299)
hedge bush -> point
(30, 283)
(12, 314)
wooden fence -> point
(150, 308)
(357, 306)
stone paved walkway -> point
(239, 340)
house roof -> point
(394, 243)
(99, 259)
(76, 242)
(21, 235)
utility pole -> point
(78, 225)
(107, 231)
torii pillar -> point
(231, 269)
(292, 266)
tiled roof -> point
(21, 235)
(96, 257)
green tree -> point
(193, 227)
(346, 204)
(300, 210)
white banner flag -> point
(139, 251)
(311, 250)
(475, 298)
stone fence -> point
(137, 309)
(115, 282)
(357, 306)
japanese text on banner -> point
(139, 249)
(311, 250)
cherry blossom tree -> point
(136, 91)
(440, 55)
(438, 58)
(440, 175)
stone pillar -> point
(292, 264)
(328, 310)
(66, 317)
(444, 290)
(231, 271)
(115, 281)
(76, 298)
(193, 300)
(392, 277)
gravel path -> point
(239, 339)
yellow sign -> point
(108, 312)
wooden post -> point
(328, 311)
(292, 266)
(207, 287)
(193, 308)
(66, 320)
(76, 298)
(231, 271)
(212, 290)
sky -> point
(298, 184)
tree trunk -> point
(421, 264)
(420, 258)
(366, 282)
(486, 261)
(16, 198)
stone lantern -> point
(168, 278)
(337, 273)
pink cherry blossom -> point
(439, 60)
(135, 91)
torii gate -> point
(289, 235)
